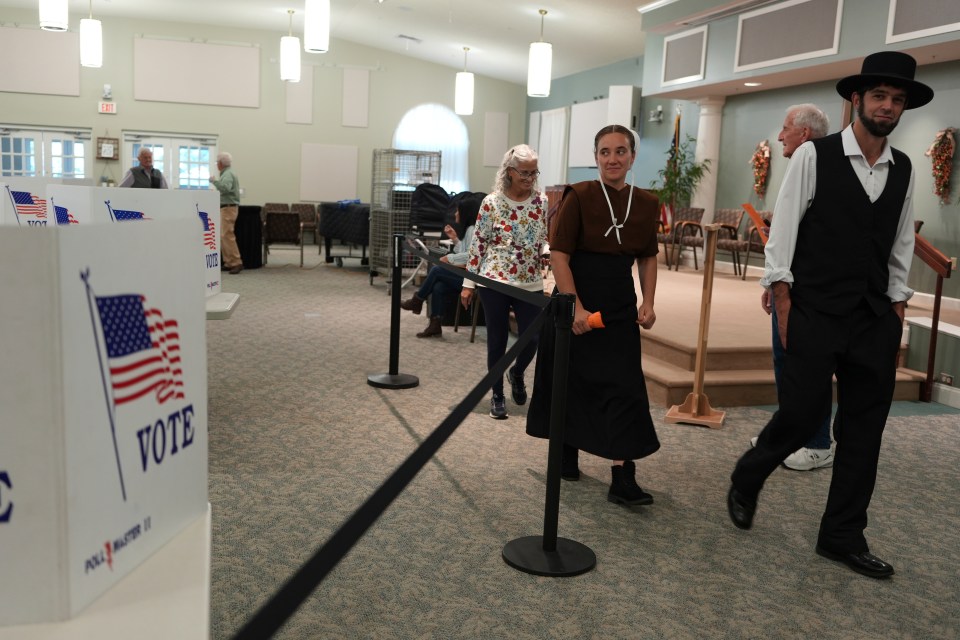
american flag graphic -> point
(209, 231)
(64, 216)
(122, 214)
(143, 349)
(28, 204)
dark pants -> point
(820, 439)
(496, 311)
(439, 285)
(861, 349)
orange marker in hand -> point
(595, 321)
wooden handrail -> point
(942, 266)
(932, 256)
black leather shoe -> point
(741, 508)
(863, 562)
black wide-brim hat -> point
(894, 66)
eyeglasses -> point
(526, 175)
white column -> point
(708, 148)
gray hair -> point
(225, 158)
(812, 117)
(517, 154)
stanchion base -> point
(392, 381)
(570, 558)
(695, 410)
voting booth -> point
(103, 433)
(41, 202)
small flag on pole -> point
(63, 215)
(143, 349)
(122, 214)
(28, 204)
(209, 231)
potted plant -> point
(680, 177)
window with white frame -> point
(434, 127)
(44, 152)
(185, 160)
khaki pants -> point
(228, 240)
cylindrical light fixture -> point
(316, 26)
(91, 41)
(54, 15)
(540, 65)
(463, 94)
(290, 55)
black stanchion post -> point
(393, 379)
(549, 555)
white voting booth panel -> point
(29, 186)
(42, 202)
(103, 433)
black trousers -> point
(861, 350)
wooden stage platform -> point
(739, 364)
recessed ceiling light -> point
(752, 84)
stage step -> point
(732, 377)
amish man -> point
(837, 260)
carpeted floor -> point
(298, 440)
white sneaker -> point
(804, 459)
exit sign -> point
(107, 107)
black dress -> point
(608, 411)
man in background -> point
(803, 122)
(144, 176)
(229, 187)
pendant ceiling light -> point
(91, 41)
(290, 54)
(463, 94)
(316, 26)
(540, 65)
(54, 15)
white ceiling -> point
(586, 34)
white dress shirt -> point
(796, 196)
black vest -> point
(143, 181)
(844, 241)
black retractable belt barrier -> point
(392, 379)
(548, 555)
(284, 603)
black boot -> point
(433, 329)
(569, 470)
(624, 488)
(414, 304)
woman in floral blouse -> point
(507, 243)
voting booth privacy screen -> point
(103, 433)
(45, 202)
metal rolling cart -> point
(396, 173)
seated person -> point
(442, 284)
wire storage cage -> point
(396, 174)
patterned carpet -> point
(298, 440)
